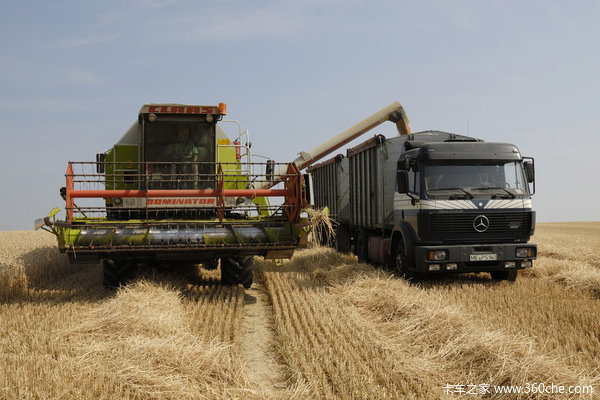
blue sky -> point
(74, 74)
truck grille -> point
(453, 227)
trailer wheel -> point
(362, 246)
(116, 272)
(237, 270)
(510, 275)
(342, 239)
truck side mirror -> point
(402, 181)
(100, 161)
(529, 171)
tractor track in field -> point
(257, 339)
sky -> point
(74, 74)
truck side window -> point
(414, 181)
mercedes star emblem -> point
(481, 223)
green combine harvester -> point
(176, 189)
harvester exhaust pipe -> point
(394, 113)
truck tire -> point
(401, 262)
(510, 275)
(342, 242)
(116, 273)
(237, 270)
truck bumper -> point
(474, 258)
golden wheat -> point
(341, 329)
(162, 337)
(152, 340)
(568, 254)
(30, 260)
(350, 331)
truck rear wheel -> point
(342, 239)
(237, 270)
(510, 275)
(116, 272)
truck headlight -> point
(437, 255)
(524, 252)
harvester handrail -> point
(292, 191)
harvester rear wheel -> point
(116, 272)
(510, 275)
(237, 270)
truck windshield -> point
(504, 180)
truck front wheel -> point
(510, 275)
(401, 262)
(237, 270)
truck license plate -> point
(483, 257)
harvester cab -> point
(176, 188)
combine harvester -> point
(176, 189)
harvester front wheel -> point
(237, 270)
(211, 265)
(116, 272)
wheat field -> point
(321, 325)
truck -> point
(431, 203)
(175, 188)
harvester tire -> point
(237, 270)
(211, 265)
(510, 275)
(116, 272)
(342, 241)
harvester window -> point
(161, 141)
(179, 152)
